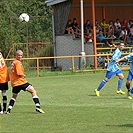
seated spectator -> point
(130, 22)
(124, 24)
(69, 29)
(130, 39)
(124, 35)
(131, 31)
(88, 37)
(102, 62)
(75, 27)
(101, 38)
(104, 26)
(98, 27)
(111, 29)
(117, 28)
(87, 27)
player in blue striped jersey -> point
(130, 74)
(113, 69)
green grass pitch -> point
(71, 106)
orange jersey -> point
(16, 69)
(4, 77)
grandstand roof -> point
(53, 2)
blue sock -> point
(101, 85)
(128, 86)
(120, 81)
(131, 92)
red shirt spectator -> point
(124, 24)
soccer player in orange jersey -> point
(19, 82)
(4, 78)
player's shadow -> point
(124, 125)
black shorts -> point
(4, 86)
(23, 87)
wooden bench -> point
(101, 43)
(111, 50)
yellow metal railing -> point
(65, 57)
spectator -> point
(117, 28)
(101, 38)
(69, 29)
(111, 29)
(88, 37)
(98, 27)
(124, 35)
(87, 27)
(124, 24)
(75, 27)
(104, 26)
(102, 62)
(130, 22)
(131, 31)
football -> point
(24, 17)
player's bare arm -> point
(118, 60)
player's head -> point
(121, 46)
(19, 54)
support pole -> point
(82, 60)
(94, 34)
(54, 41)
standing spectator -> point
(113, 69)
(4, 78)
(19, 82)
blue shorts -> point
(130, 76)
(109, 74)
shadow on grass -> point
(124, 125)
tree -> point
(14, 31)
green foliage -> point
(14, 31)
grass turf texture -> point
(71, 106)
